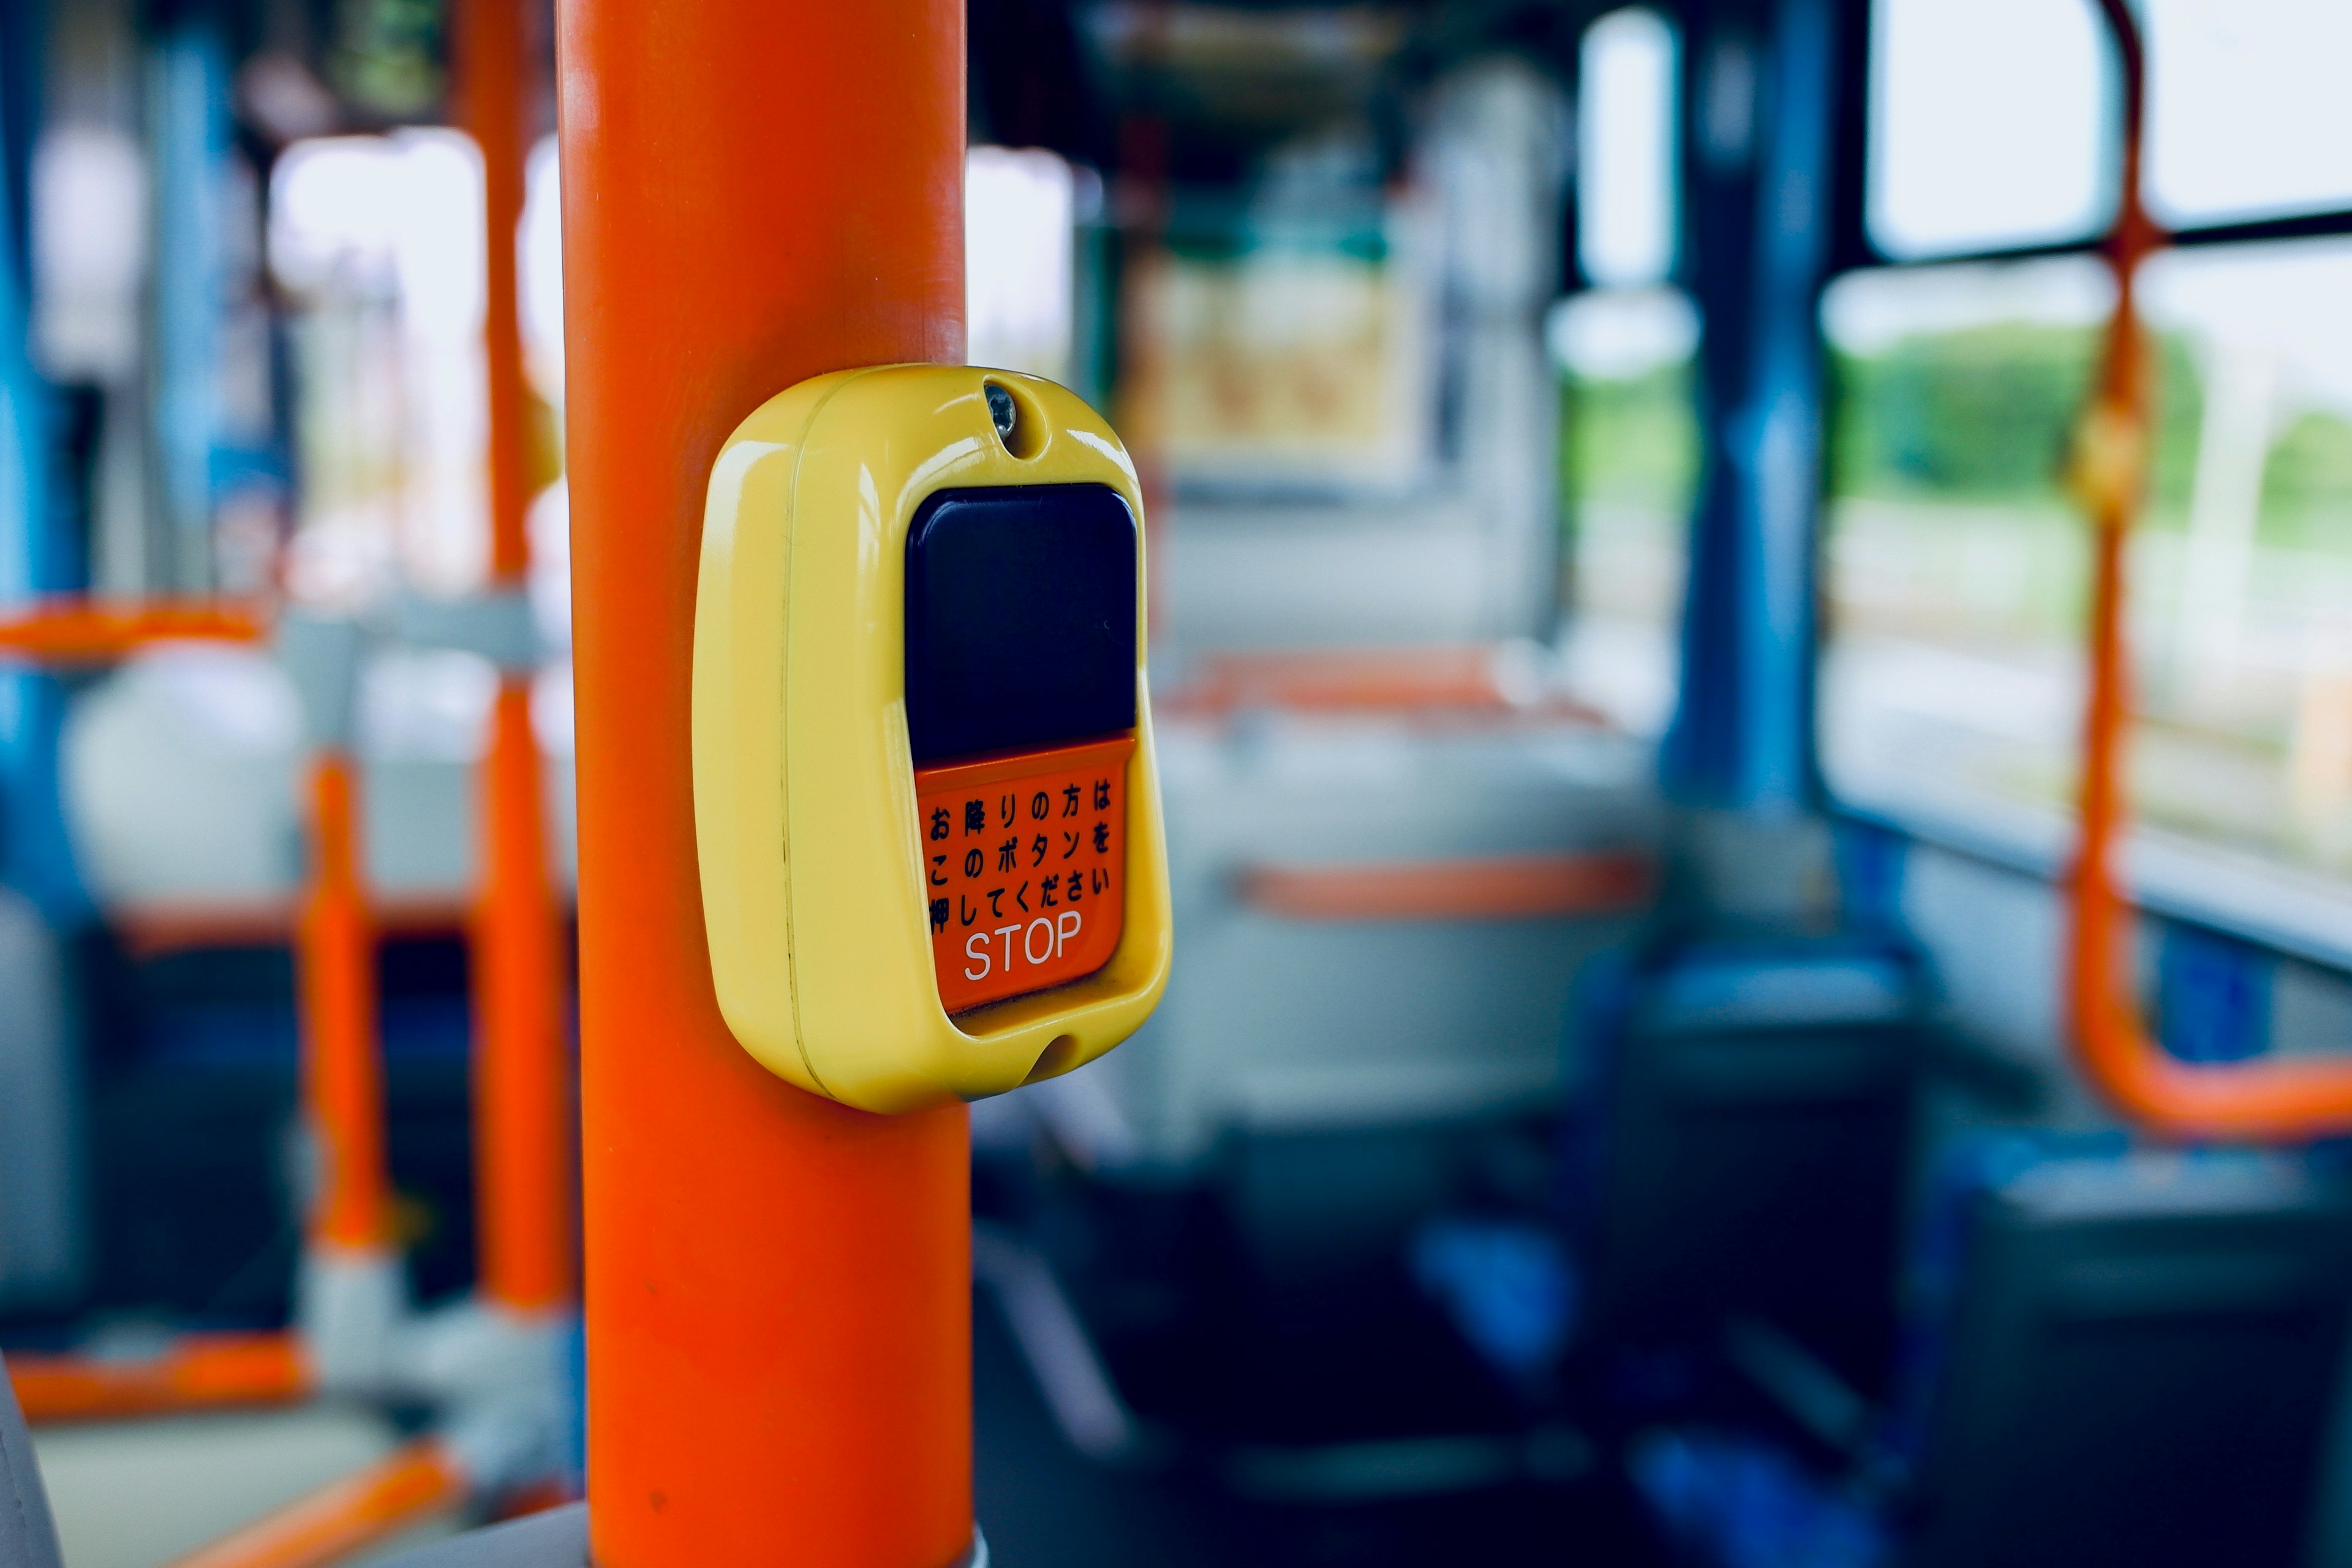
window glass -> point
(90, 239)
(1625, 128)
(377, 244)
(1953, 563)
(1018, 228)
(1629, 452)
(2248, 113)
(1988, 125)
(538, 244)
(1957, 565)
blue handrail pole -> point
(1760, 98)
(188, 120)
(36, 555)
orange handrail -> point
(66, 630)
(1485, 888)
(344, 1516)
(2296, 1099)
(196, 1371)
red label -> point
(1025, 861)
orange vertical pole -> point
(522, 1111)
(521, 1101)
(492, 63)
(777, 1286)
(342, 1068)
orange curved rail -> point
(197, 1371)
(1512, 887)
(2273, 1098)
(76, 631)
(344, 1516)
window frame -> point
(2307, 914)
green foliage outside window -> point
(1632, 442)
(1985, 415)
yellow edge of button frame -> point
(813, 901)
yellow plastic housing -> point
(813, 876)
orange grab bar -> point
(75, 631)
(197, 1371)
(1516, 887)
(2273, 1098)
(344, 1516)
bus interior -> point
(1753, 698)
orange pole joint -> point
(2289, 1100)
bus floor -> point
(1042, 1505)
(141, 1494)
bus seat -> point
(1738, 1145)
(2141, 1366)
(2135, 1363)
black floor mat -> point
(1044, 1506)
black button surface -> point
(1020, 618)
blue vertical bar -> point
(1759, 169)
(2213, 995)
(188, 103)
(1872, 863)
(36, 855)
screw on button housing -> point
(1004, 410)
